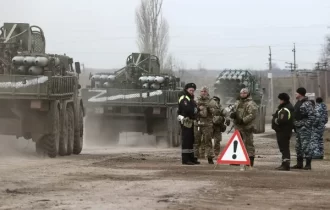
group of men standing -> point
(204, 118)
(308, 120)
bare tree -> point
(152, 28)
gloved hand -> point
(239, 121)
(227, 122)
(180, 118)
(233, 115)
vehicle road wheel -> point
(52, 139)
(70, 114)
(63, 147)
(78, 134)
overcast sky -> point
(216, 33)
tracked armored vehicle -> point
(135, 98)
(228, 85)
(39, 92)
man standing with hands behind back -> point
(304, 117)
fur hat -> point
(190, 85)
(284, 97)
(301, 91)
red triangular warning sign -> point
(234, 152)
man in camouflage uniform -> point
(203, 127)
(321, 118)
(304, 117)
(244, 115)
(220, 123)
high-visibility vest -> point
(286, 109)
(182, 97)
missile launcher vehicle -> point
(228, 85)
(39, 92)
(135, 98)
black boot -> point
(277, 168)
(186, 159)
(300, 164)
(210, 160)
(194, 159)
(308, 165)
(251, 161)
(285, 166)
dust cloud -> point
(10, 147)
(106, 133)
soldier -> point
(321, 113)
(219, 124)
(187, 114)
(244, 119)
(204, 125)
(282, 123)
(304, 118)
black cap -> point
(190, 85)
(301, 91)
(319, 100)
(284, 97)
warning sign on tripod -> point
(234, 152)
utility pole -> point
(325, 65)
(270, 76)
(293, 79)
(294, 73)
(318, 64)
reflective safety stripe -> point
(182, 97)
(187, 150)
(289, 114)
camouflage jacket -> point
(304, 114)
(205, 115)
(321, 115)
(246, 109)
(218, 113)
(324, 112)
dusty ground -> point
(153, 178)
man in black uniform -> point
(282, 123)
(186, 115)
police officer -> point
(220, 123)
(244, 115)
(304, 117)
(282, 123)
(186, 115)
(319, 125)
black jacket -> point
(187, 106)
(283, 118)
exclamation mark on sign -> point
(235, 148)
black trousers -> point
(283, 141)
(187, 144)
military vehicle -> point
(39, 92)
(135, 98)
(228, 85)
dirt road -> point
(153, 178)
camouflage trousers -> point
(247, 137)
(317, 141)
(303, 142)
(203, 135)
(217, 136)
